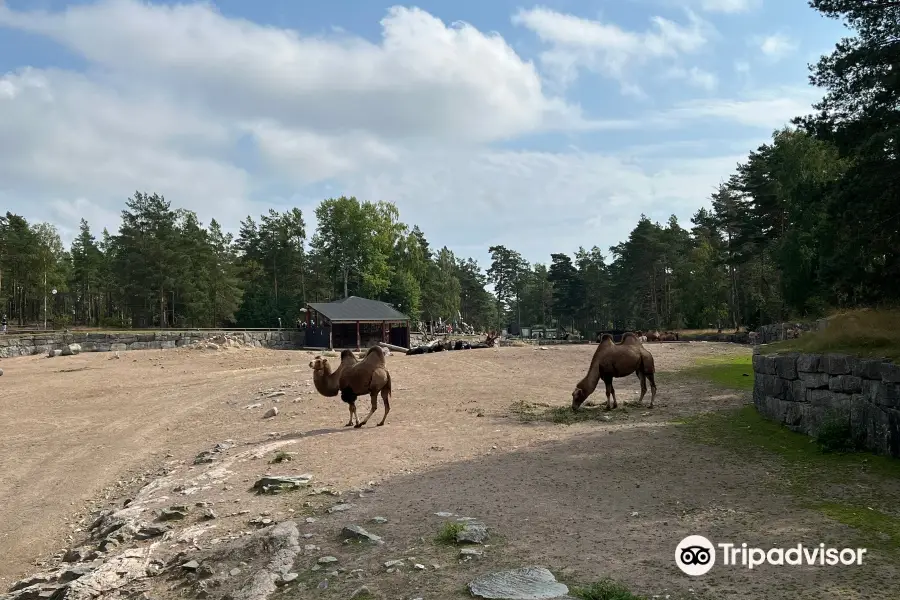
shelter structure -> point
(355, 321)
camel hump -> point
(606, 337)
(629, 338)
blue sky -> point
(539, 126)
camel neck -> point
(590, 381)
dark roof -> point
(355, 308)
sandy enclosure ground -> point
(592, 499)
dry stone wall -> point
(803, 391)
(11, 345)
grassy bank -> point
(869, 333)
(856, 489)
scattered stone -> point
(325, 560)
(275, 394)
(470, 553)
(379, 520)
(204, 458)
(252, 406)
(275, 484)
(472, 533)
(528, 583)
(310, 519)
(288, 577)
(234, 572)
(357, 532)
(419, 566)
(173, 513)
(444, 514)
(209, 514)
(270, 413)
(340, 507)
(393, 563)
(151, 531)
(191, 565)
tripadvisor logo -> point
(695, 555)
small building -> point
(355, 322)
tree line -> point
(807, 223)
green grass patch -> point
(563, 415)
(734, 372)
(606, 589)
(867, 333)
(811, 470)
(448, 533)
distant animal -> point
(653, 336)
(668, 336)
(613, 360)
(327, 381)
(368, 376)
(754, 337)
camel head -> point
(578, 398)
(319, 363)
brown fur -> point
(327, 382)
(368, 376)
(612, 360)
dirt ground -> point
(588, 500)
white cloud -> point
(774, 108)
(606, 48)
(173, 94)
(729, 6)
(695, 76)
(776, 46)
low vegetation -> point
(870, 333)
(605, 589)
(448, 533)
(854, 488)
(734, 372)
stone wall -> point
(803, 390)
(14, 345)
(778, 331)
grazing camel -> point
(369, 376)
(616, 360)
(327, 382)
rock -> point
(379, 520)
(252, 406)
(283, 544)
(204, 458)
(191, 565)
(444, 514)
(30, 581)
(287, 578)
(150, 531)
(173, 513)
(275, 394)
(472, 533)
(270, 413)
(528, 583)
(326, 560)
(209, 514)
(234, 572)
(391, 564)
(470, 553)
(361, 592)
(275, 484)
(342, 507)
(420, 567)
(357, 532)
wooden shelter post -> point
(357, 337)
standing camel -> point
(368, 376)
(327, 382)
(616, 360)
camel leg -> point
(643, 379)
(609, 391)
(650, 376)
(352, 407)
(386, 398)
(371, 412)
